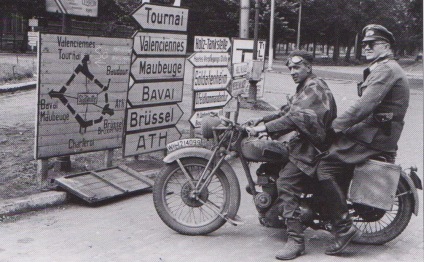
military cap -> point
(298, 56)
(374, 32)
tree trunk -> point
(328, 49)
(336, 52)
(349, 49)
(315, 48)
(287, 48)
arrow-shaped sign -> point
(149, 141)
(148, 68)
(146, 43)
(211, 44)
(159, 17)
(209, 99)
(209, 78)
(139, 119)
(196, 118)
(141, 94)
(209, 59)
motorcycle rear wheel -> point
(392, 223)
(174, 202)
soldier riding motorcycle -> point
(198, 191)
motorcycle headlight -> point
(207, 124)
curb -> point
(20, 86)
(32, 202)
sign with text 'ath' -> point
(81, 103)
(150, 140)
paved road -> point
(130, 230)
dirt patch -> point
(18, 168)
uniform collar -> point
(302, 84)
(383, 58)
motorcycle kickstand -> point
(233, 221)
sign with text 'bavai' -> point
(81, 103)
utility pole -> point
(244, 18)
(271, 36)
(253, 88)
(298, 25)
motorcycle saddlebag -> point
(374, 184)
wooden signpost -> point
(156, 81)
(210, 77)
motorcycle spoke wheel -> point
(380, 226)
(191, 212)
(182, 204)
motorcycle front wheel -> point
(380, 226)
(190, 213)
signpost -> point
(164, 18)
(209, 78)
(209, 59)
(156, 82)
(81, 103)
(209, 99)
(73, 7)
(211, 44)
(196, 118)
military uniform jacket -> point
(309, 112)
(376, 119)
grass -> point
(12, 73)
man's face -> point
(299, 72)
(374, 49)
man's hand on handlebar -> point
(254, 130)
(254, 121)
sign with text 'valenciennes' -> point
(81, 103)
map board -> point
(82, 92)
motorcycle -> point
(198, 191)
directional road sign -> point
(209, 99)
(240, 69)
(209, 78)
(139, 119)
(146, 43)
(149, 141)
(149, 68)
(211, 44)
(196, 118)
(237, 86)
(158, 17)
(209, 59)
(141, 94)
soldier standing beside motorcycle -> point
(369, 128)
(309, 112)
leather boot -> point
(295, 245)
(342, 240)
(343, 227)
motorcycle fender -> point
(198, 152)
(413, 190)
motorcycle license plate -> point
(190, 142)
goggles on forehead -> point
(296, 60)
